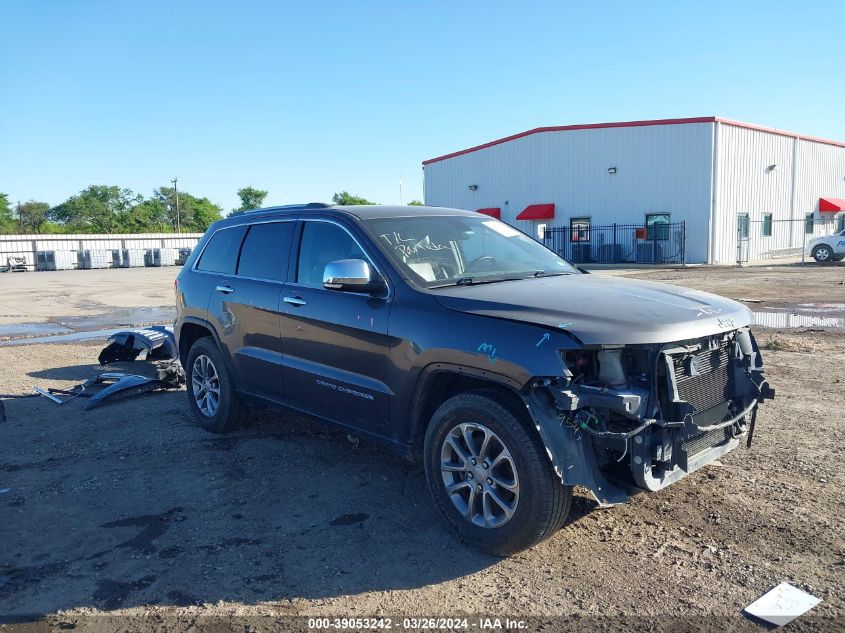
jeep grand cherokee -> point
(460, 342)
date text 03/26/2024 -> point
(415, 624)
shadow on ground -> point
(132, 504)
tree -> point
(346, 198)
(32, 215)
(195, 214)
(98, 209)
(416, 203)
(148, 216)
(7, 216)
(251, 198)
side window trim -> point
(293, 269)
(249, 226)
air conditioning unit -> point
(650, 253)
(609, 253)
(580, 252)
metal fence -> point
(765, 239)
(619, 243)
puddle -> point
(830, 315)
(130, 317)
(18, 330)
(62, 338)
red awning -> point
(493, 212)
(537, 212)
(831, 205)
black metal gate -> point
(619, 243)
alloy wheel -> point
(205, 385)
(479, 475)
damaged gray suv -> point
(460, 342)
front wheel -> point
(823, 253)
(490, 477)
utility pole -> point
(176, 193)
(401, 194)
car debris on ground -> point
(159, 345)
(782, 604)
(158, 341)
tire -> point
(823, 254)
(230, 412)
(539, 505)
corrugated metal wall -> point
(661, 168)
(804, 171)
(28, 245)
(820, 174)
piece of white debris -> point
(782, 604)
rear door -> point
(336, 343)
(245, 304)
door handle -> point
(225, 289)
(295, 301)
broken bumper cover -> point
(604, 440)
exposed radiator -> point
(702, 378)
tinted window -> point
(266, 251)
(221, 253)
(323, 242)
(766, 228)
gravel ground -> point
(130, 517)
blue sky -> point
(305, 99)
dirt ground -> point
(130, 517)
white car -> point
(828, 248)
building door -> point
(742, 226)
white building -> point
(742, 191)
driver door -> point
(336, 345)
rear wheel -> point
(211, 392)
(490, 477)
(823, 253)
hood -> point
(602, 310)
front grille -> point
(703, 377)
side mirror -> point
(351, 275)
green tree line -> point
(111, 209)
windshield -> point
(437, 251)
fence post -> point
(683, 243)
(614, 248)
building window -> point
(580, 229)
(766, 226)
(742, 223)
(657, 225)
(808, 224)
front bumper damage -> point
(696, 403)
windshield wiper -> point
(546, 273)
(472, 281)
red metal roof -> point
(592, 126)
(831, 205)
(493, 212)
(537, 212)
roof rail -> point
(305, 205)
